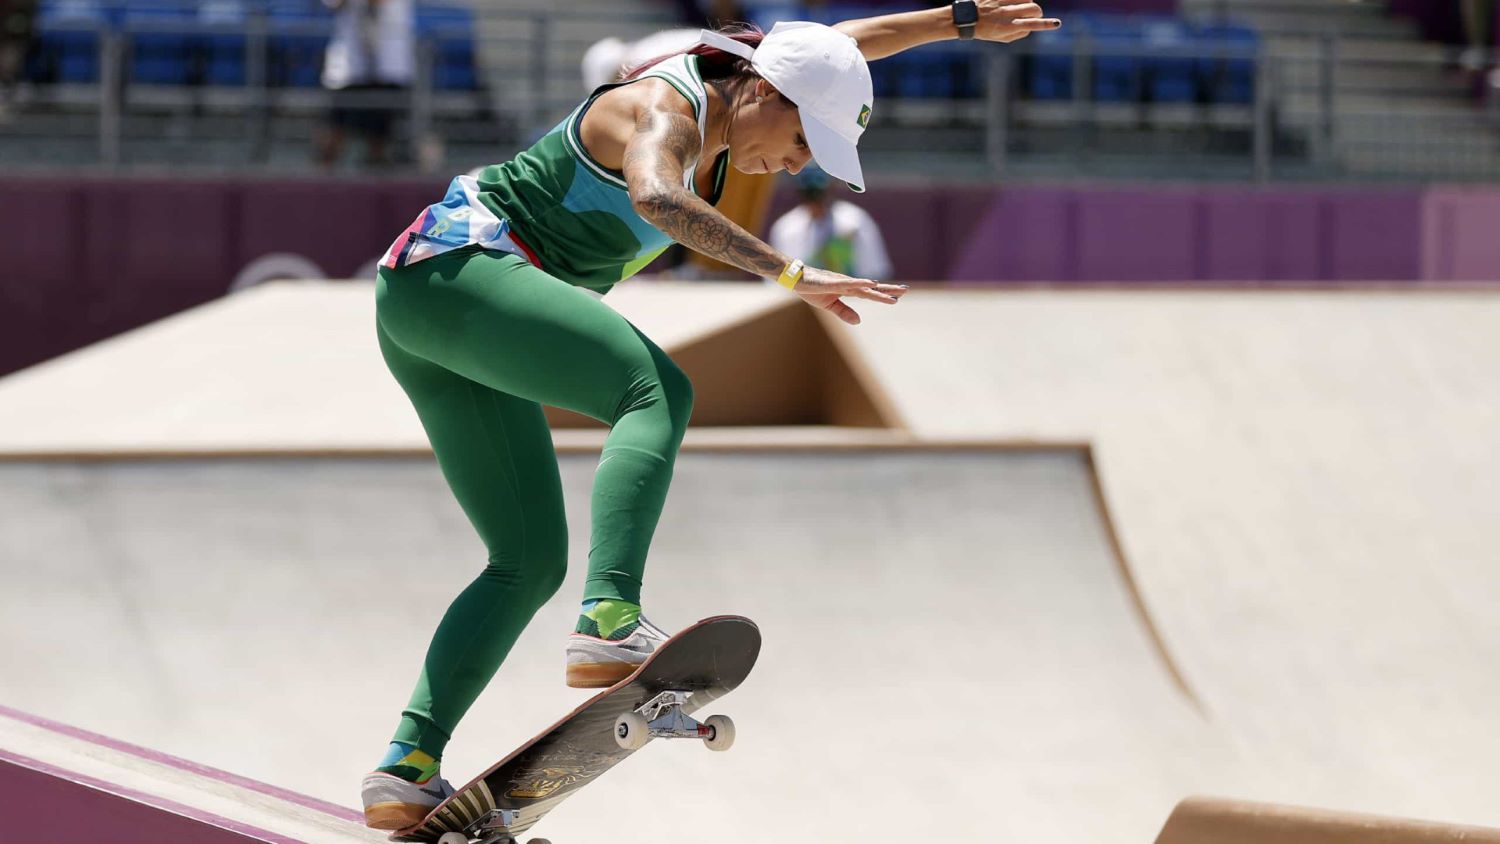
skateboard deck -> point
(705, 661)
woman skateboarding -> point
(481, 320)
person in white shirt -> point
(831, 233)
(369, 65)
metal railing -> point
(1316, 110)
(528, 77)
(1318, 107)
(1084, 128)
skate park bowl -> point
(1030, 565)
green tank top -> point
(575, 213)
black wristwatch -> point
(965, 15)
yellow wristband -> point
(791, 275)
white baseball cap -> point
(822, 72)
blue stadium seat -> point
(1145, 66)
(451, 28)
(67, 40)
(1229, 79)
(885, 77)
(765, 13)
(1118, 75)
(1170, 78)
(223, 41)
(1049, 75)
(960, 68)
(297, 38)
(162, 36)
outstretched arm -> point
(887, 35)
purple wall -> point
(91, 258)
(1459, 235)
(1235, 234)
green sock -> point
(408, 762)
(608, 619)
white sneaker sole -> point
(385, 806)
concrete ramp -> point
(1304, 483)
(1207, 820)
(951, 646)
(1307, 486)
(63, 784)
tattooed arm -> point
(663, 146)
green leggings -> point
(480, 341)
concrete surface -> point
(282, 366)
(950, 647)
(1308, 486)
(1305, 484)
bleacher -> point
(210, 43)
(1137, 57)
(1323, 87)
(1150, 58)
(1154, 58)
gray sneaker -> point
(395, 803)
(594, 663)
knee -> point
(548, 580)
(677, 389)
(549, 565)
(534, 572)
(666, 394)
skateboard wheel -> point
(722, 729)
(453, 838)
(631, 731)
(539, 841)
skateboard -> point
(690, 670)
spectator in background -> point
(1479, 22)
(1477, 16)
(369, 65)
(16, 18)
(831, 233)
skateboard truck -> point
(662, 717)
(492, 827)
(495, 821)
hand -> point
(1007, 22)
(825, 289)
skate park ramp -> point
(1302, 486)
(70, 785)
(918, 606)
(293, 366)
(1306, 485)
